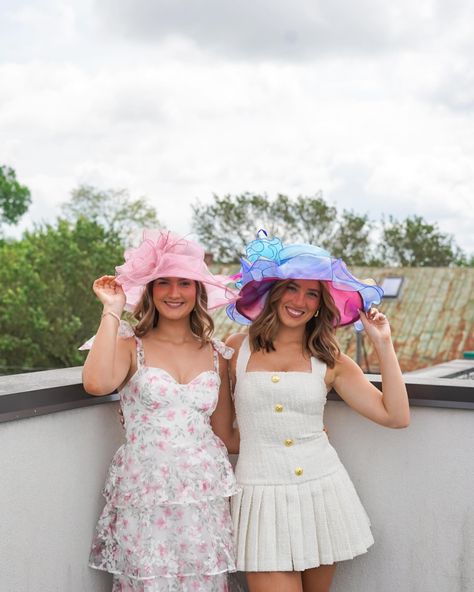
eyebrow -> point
(167, 280)
(314, 290)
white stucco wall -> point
(52, 469)
(416, 484)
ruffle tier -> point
(301, 526)
(181, 475)
(170, 541)
(217, 583)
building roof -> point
(431, 320)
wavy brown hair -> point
(320, 339)
(147, 316)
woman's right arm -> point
(109, 361)
(223, 418)
(234, 341)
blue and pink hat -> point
(268, 260)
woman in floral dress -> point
(166, 524)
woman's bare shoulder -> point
(341, 364)
(235, 341)
(344, 363)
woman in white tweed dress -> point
(297, 513)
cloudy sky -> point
(371, 102)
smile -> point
(173, 304)
(294, 312)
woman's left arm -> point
(389, 408)
(223, 418)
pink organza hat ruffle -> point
(164, 254)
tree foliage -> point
(414, 242)
(226, 225)
(230, 222)
(114, 210)
(14, 197)
(47, 308)
(352, 239)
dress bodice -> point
(280, 418)
(159, 411)
(171, 453)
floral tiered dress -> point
(166, 524)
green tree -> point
(306, 219)
(352, 239)
(227, 224)
(114, 210)
(47, 308)
(14, 197)
(414, 242)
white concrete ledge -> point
(416, 485)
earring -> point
(317, 313)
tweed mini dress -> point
(297, 507)
(166, 524)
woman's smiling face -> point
(299, 302)
(174, 297)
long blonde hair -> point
(148, 316)
(320, 340)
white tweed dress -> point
(297, 507)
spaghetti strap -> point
(218, 347)
(140, 353)
(243, 357)
(215, 355)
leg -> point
(318, 579)
(274, 581)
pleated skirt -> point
(299, 526)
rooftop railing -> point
(416, 484)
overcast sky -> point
(371, 102)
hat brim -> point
(268, 261)
(350, 295)
(164, 254)
(253, 297)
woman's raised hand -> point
(110, 293)
(376, 325)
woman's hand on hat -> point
(376, 325)
(110, 293)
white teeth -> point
(174, 304)
(294, 313)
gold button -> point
(289, 442)
(298, 471)
(275, 378)
(279, 408)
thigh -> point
(318, 579)
(274, 581)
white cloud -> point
(386, 129)
(278, 28)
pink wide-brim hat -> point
(164, 254)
